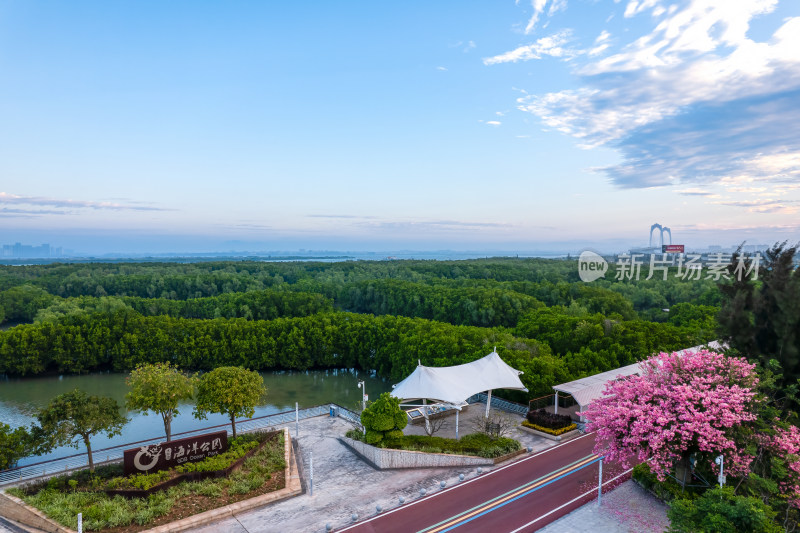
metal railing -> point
(499, 403)
(349, 415)
(101, 456)
(546, 401)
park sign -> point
(155, 457)
(671, 248)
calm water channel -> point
(21, 398)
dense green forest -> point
(372, 315)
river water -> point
(21, 398)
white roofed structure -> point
(454, 384)
(588, 389)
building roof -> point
(454, 384)
(588, 389)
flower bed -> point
(260, 472)
(547, 420)
(554, 432)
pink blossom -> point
(680, 404)
(785, 443)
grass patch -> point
(478, 444)
(62, 500)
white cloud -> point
(695, 98)
(7, 198)
(493, 122)
(538, 7)
(696, 191)
(552, 45)
(556, 6)
(443, 69)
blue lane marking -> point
(520, 496)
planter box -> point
(386, 458)
(192, 476)
(558, 438)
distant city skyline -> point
(550, 125)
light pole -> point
(721, 462)
(363, 387)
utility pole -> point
(363, 387)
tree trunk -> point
(233, 423)
(89, 451)
(167, 417)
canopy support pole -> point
(488, 403)
(425, 414)
(556, 407)
(457, 410)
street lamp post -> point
(363, 387)
(720, 460)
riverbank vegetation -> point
(380, 316)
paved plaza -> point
(344, 485)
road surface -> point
(518, 498)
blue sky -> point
(551, 124)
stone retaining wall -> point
(383, 458)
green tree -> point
(75, 416)
(722, 511)
(229, 390)
(159, 387)
(21, 303)
(762, 318)
(383, 419)
(13, 445)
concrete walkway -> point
(626, 509)
(344, 484)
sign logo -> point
(155, 457)
(591, 266)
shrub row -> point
(542, 418)
(474, 444)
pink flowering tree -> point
(784, 445)
(682, 403)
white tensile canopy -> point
(454, 384)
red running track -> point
(518, 498)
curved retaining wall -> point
(382, 458)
